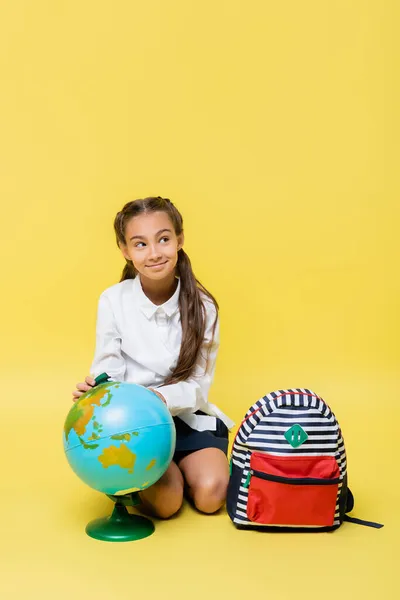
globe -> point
(119, 438)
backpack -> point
(288, 468)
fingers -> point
(83, 387)
(158, 394)
(76, 396)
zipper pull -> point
(247, 482)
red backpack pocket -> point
(292, 490)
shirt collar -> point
(146, 305)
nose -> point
(154, 253)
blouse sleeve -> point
(191, 395)
(108, 357)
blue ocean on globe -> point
(119, 438)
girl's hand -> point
(157, 393)
(83, 387)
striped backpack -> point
(288, 466)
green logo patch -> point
(296, 436)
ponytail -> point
(193, 319)
(128, 272)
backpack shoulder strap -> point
(349, 508)
(362, 522)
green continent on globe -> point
(82, 411)
(90, 446)
(121, 436)
(121, 456)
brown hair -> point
(193, 315)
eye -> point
(166, 238)
(137, 245)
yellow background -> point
(274, 127)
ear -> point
(181, 240)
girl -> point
(159, 328)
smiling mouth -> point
(157, 265)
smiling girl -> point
(159, 328)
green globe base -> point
(120, 526)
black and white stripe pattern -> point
(263, 430)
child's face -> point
(152, 245)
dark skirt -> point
(190, 440)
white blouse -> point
(139, 342)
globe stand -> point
(120, 526)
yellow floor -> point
(45, 552)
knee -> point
(210, 495)
(163, 499)
(168, 504)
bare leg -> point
(165, 497)
(207, 475)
